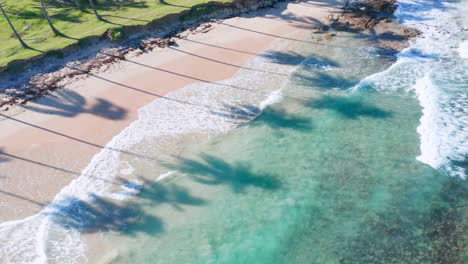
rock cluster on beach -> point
(365, 14)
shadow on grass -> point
(349, 107)
(212, 170)
(164, 2)
(127, 18)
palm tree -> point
(94, 9)
(44, 10)
(77, 2)
(12, 27)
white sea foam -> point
(463, 49)
(201, 108)
(428, 95)
(432, 68)
(273, 98)
(128, 170)
(165, 175)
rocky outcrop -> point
(376, 18)
(363, 14)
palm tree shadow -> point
(2, 157)
(240, 113)
(324, 81)
(100, 214)
(177, 196)
(170, 4)
(277, 119)
(349, 107)
(285, 58)
(69, 103)
(270, 117)
(238, 176)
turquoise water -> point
(327, 175)
(316, 151)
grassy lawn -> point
(27, 17)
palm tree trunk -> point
(44, 10)
(13, 28)
(94, 9)
(77, 2)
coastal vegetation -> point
(39, 26)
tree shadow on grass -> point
(127, 18)
(67, 17)
(69, 103)
(349, 107)
(164, 2)
(238, 176)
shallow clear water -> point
(327, 175)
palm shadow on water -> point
(177, 196)
(274, 118)
(350, 108)
(294, 58)
(280, 119)
(238, 176)
(69, 103)
(324, 81)
(101, 215)
(130, 217)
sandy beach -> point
(47, 143)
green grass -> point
(27, 18)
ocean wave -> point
(198, 108)
(433, 70)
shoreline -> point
(56, 136)
(76, 123)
